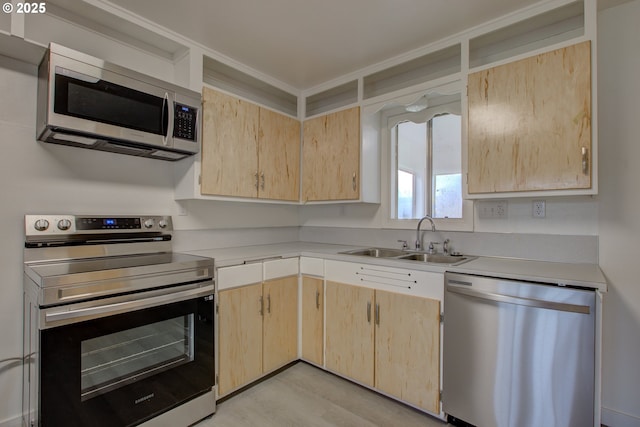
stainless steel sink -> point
(409, 256)
(376, 252)
(435, 258)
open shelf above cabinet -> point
(334, 98)
(555, 26)
(441, 63)
(227, 78)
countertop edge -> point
(561, 274)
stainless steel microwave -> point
(86, 102)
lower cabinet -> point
(258, 326)
(386, 340)
(280, 322)
(378, 326)
(350, 334)
(240, 337)
(407, 355)
(312, 320)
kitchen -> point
(45, 178)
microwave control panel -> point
(184, 124)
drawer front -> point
(280, 268)
(239, 275)
(312, 266)
(399, 280)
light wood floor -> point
(304, 395)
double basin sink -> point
(442, 259)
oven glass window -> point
(111, 361)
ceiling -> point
(303, 43)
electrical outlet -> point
(539, 209)
(492, 209)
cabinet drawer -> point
(280, 268)
(312, 266)
(399, 280)
(239, 275)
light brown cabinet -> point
(258, 327)
(385, 340)
(407, 356)
(247, 150)
(350, 333)
(331, 156)
(529, 125)
(240, 337)
(280, 322)
(312, 320)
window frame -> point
(389, 118)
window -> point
(428, 165)
(425, 165)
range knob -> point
(162, 223)
(149, 223)
(64, 224)
(41, 224)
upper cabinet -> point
(247, 150)
(529, 124)
(331, 157)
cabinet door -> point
(530, 123)
(331, 156)
(349, 328)
(280, 325)
(278, 156)
(229, 146)
(312, 320)
(240, 337)
(408, 349)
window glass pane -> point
(447, 200)
(412, 158)
(447, 166)
(405, 195)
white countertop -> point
(564, 274)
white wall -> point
(45, 178)
(619, 216)
(39, 178)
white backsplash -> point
(543, 247)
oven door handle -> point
(80, 314)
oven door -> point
(123, 367)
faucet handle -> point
(432, 247)
(404, 244)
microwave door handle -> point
(167, 119)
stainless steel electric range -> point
(119, 330)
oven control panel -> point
(45, 225)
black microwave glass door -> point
(105, 102)
(124, 369)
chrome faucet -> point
(433, 228)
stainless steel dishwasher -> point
(518, 354)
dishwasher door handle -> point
(529, 302)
